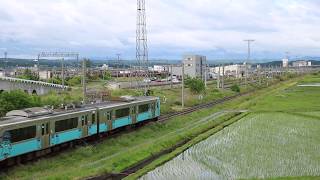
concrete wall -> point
(36, 87)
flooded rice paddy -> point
(259, 146)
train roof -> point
(39, 113)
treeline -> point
(17, 99)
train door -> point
(45, 135)
(133, 113)
(152, 108)
(96, 120)
(84, 123)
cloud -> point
(102, 28)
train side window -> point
(47, 128)
(93, 118)
(21, 134)
(66, 124)
(42, 129)
(143, 108)
(108, 115)
(133, 110)
(122, 112)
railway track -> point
(200, 106)
(53, 151)
(163, 118)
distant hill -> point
(13, 62)
(279, 63)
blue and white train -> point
(37, 129)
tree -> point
(16, 100)
(55, 80)
(196, 85)
(76, 80)
(29, 75)
(106, 75)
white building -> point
(160, 68)
(45, 75)
(235, 70)
(300, 63)
(104, 67)
(285, 62)
(309, 63)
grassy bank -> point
(115, 154)
(279, 138)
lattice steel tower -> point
(141, 42)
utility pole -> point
(205, 76)
(78, 64)
(62, 72)
(249, 41)
(259, 74)
(218, 78)
(131, 72)
(6, 63)
(38, 68)
(84, 69)
(118, 63)
(182, 87)
(171, 83)
(222, 82)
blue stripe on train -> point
(20, 148)
(62, 137)
(144, 116)
(121, 122)
(103, 127)
(92, 129)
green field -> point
(261, 145)
(280, 138)
(115, 154)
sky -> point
(215, 28)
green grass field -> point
(280, 138)
(116, 154)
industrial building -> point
(285, 62)
(301, 63)
(194, 66)
(235, 70)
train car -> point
(37, 129)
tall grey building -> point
(195, 65)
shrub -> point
(235, 88)
(76, 80)
(178, 103)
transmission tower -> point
(142, 45)
(249, 41)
